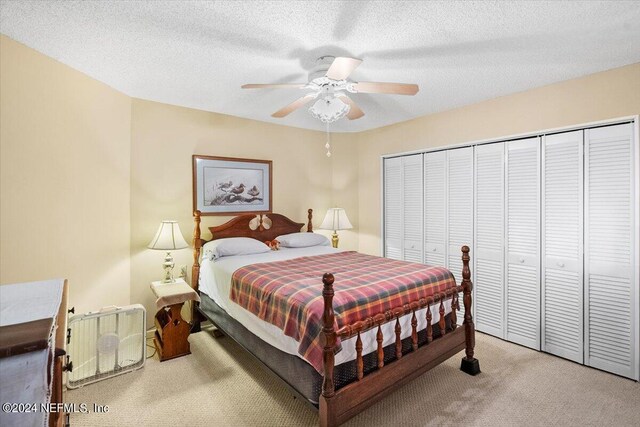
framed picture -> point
(228, 186)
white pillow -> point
(302, 240)
(234, 246)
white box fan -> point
(105, 343)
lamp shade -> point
(336, 219)
(168, 237)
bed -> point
(346, 343)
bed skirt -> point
(301, 378)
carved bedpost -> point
(329, 335)
(197, 244)
(326, 410)
(195, 270)
(470, 365)
(310, 223)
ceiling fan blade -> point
(391, 88)
(274, 86)
(342, 67)
(292, 107)
(355, 112)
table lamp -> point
(168, 238)
(336, 219)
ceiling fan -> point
(329, 82)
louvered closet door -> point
(412, 207)
(459, 206)
(611, 290)
(435, 208)
(393, 218)
(459, 211)
(562, 232)
(489, 239)
(523, 241)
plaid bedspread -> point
(288, 294)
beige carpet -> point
(220, 385)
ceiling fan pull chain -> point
(328, 144)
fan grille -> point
(105, 344)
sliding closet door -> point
(562, 235)
(611, 291)
(459, 206)
(489, 239)
(393, 218)
(523, 241)
(412, 207)
(435, 208)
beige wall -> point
(164, 138)
(344, 185)
(605, 95)
(64, 178)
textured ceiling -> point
(198, 54)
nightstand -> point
(172, 331)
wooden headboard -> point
(261, 227)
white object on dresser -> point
(24, 378)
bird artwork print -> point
(225, 185)
(238, 190)
(253, 191)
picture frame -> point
(231, 186)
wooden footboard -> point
(337, 406)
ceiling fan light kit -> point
(329, 109)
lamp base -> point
(168, 265)
(334, 239)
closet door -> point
(412, 195)
(459, 211)
(562, 235)
(489, 239)
(393, 218)
(611, 291)
(523, 241)
(435, 208)
(459, 207)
